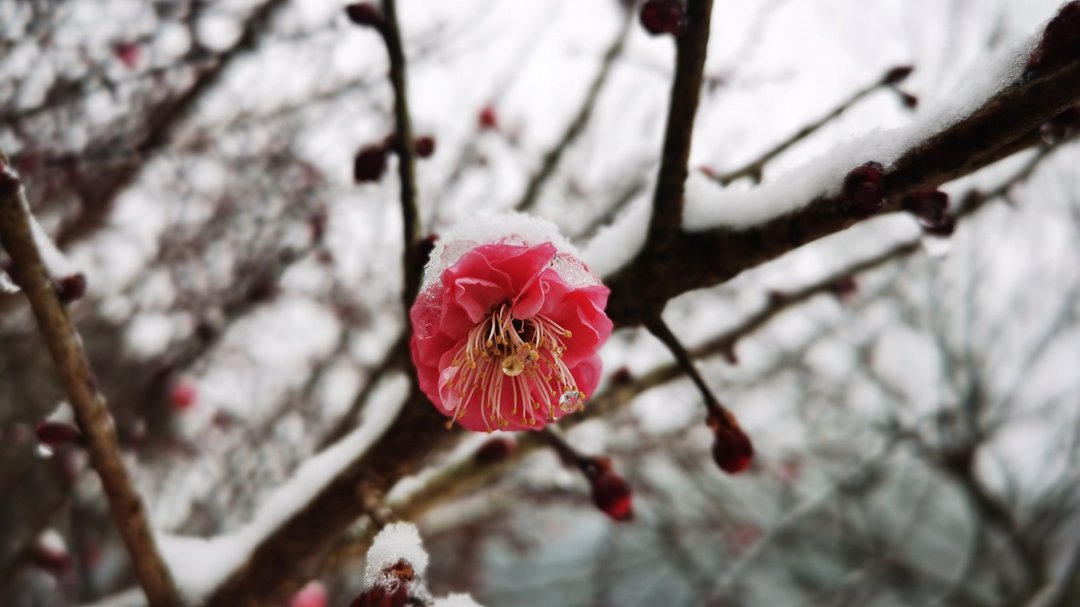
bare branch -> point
(685, 93)
(581, 119)
(79, 382)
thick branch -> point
(91, 411)
(684, 261)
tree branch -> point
(685, 93)
(405, 150)
(91, 411)
(577, 125)
(669, 265)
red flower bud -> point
(844, 287)
(910, 101)
(383, 595)
(71, 288)
(494, 451)
(52, 559)
(127, 53)
(732, 448)
(861, 194)
(611, 493)
(369, 164)
(182, 395)
(663, 17)
(1060, 41)
(487, 119)
(898, 74)
(364, 13)
(425, 146)
(57, 434)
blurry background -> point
(917, 424)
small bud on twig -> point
(610, 492)
(494, 451)
(861, 194)
(732, 449)
(663, 17)
(365, 13)
(71, 288)
(425, 146)
(57, 434)
(370, 163)
(898, 74)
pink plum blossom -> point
(506, 339)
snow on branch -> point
(201, 565)
(734, 231)
(709, 206)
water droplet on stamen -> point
(571, 400)
(513, 365)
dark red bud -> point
(71, 288)
(910, 101)
(945, 227)
(494, 451)
(844, 287)
(364, 13)
(182, 395)
(127, 53)
(898, 74)
(862, 195)
(622, 376)
(487, 119)
(732, 449)
(57, 434)
(663, 17)
(369, 164)
(1060, 40)
(613, 495)
(425, 146)
(53, 560)
(928, 205)
(383, 595)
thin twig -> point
(661, 331)
(682, 109)
(754, 168)
(91, 412)
(577, 125)
(405, 150)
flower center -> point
(516, 362)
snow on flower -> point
(505, 337)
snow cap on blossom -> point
(507, 325)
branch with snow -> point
(726, 231)
(91, 412)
